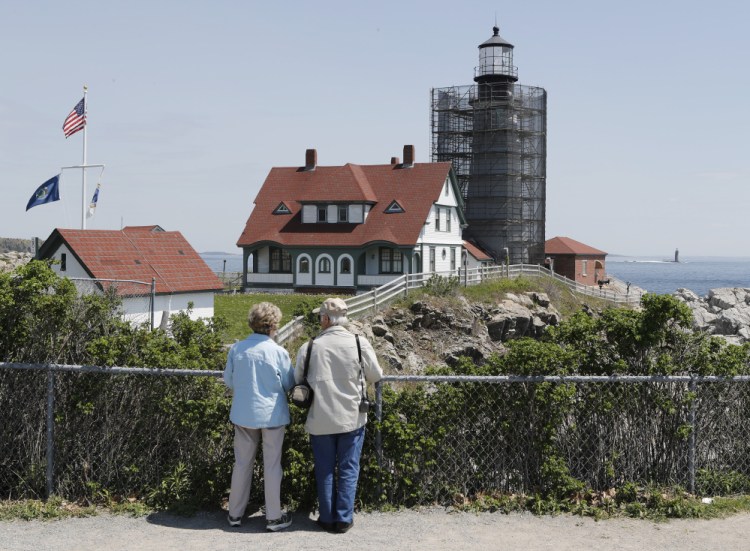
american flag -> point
(76, 120)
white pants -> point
(245, 448)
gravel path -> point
(427, 529)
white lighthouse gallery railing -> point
(361, 305)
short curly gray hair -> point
(264, 317)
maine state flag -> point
(46, 193)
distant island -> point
(8, 244)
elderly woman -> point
(260, 374)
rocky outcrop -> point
(724, 312)
(9, 261)
(437, 331)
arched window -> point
(304, 265)
(346, 266)
(324, 265)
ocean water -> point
(216, 261)
(699, 274)
(653, 274)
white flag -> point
(94, 199)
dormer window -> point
(282, 209)
(394, 208)
(334, 213)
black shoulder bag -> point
(302, 394)
(364, 403)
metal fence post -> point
(378, 434)
(50, 431)
(691, 450)
(153, 300)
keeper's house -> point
(136, 262)
(576, 261)
(352, 227)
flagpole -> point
(83, 170)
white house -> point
(141, 263)
(352, 227)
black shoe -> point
(327, 526)
(343, 527)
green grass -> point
(563, 299)
(234, 309)
(56, 508)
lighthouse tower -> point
(495, 134)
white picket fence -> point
(382, 296)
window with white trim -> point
(346, 265)
(324, 265)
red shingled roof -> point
(476, 252)
(566, 245)
(415, 188)
(137, 253)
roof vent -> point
(311, 159)
(395, 160)
(408, 156)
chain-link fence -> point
(78, 431)
(521, 435)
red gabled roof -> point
(137, 253)
(566, 245)
(476, 252)
(416, 188)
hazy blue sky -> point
(192, 103)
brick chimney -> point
(395, 160)
(311, 159)
(408, 155)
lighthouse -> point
(494, 132)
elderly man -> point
(336, 420)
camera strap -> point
(361, 372)
(307, 359)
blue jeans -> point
(336, 490)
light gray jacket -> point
(334, 376)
